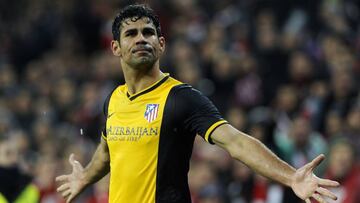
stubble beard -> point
(143, 63)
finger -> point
(326, 192)
(62, 187)
(72, 159)
(315, 162)
(75, 164)
(66, 193)
(61, 178)
(70, 198)
(327, 182)
(318, 198)
(78, 166)
(307, 200)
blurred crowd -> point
(285, 72)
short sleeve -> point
(197, 113)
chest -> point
(133, 124)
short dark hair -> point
(135, 12)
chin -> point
(143, 64)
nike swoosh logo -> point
(110, 115)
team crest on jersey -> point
(151, 112)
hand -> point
(306, 185)
(73, 183)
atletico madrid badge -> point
(151, 112)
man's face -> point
(139, 44)
(341, 160)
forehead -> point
(342, 148)
(136, 22)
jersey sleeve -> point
(197, 113)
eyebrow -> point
(130, 30)
(146, 28)
(149, 29)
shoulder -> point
(187, 99)
(185, 94)
(184, 89)
(120, 88)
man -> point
(151, 124)
(15, 185)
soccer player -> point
(151, 124)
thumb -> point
(72, 159)
(315, 162)
(74, 163)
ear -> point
(162, 44)
(115, 47)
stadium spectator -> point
(344, 168)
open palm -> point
(306, 185)
(72, 184)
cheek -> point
(125, 51)
(124, 45)
(157, 45)
(158, 49)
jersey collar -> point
(149, 89)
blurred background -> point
(285, 72)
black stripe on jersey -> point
(148, 90)
(173, 157)
(106, 109)
(187, 113)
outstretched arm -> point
(259, 158)
(73, 184)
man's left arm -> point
(258, 157)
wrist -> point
(84, 179)
(291, 179)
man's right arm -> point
(99, 165)
(73, 184)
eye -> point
(148, 32)
(130, 33)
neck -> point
(139, 79)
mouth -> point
(142, 49)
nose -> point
(141, 39)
